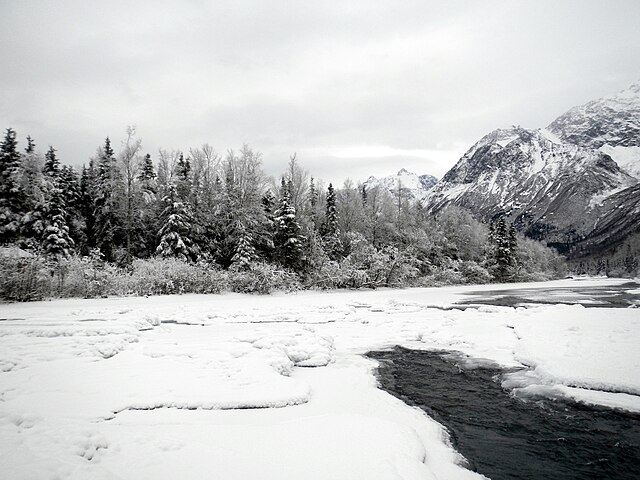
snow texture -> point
(276, 387)
(413, 186)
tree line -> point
(202, 207)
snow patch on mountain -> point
(627, 158)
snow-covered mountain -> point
(414, 186)
(610, 124)
(558, 183)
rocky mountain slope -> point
(560, 184)
(610, 124)
(412, 185)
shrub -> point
(262, 278)
(164, 276)
(474, 273)
(24, 276)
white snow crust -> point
(276, 387)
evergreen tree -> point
(151, 208)
(503, 255)
(183, 178)
(330, 231)
(313, 195)
(314, 198)
(11, 195)
(264, 245)
(88, 180)
(51, 163)
(245, 252)
(176, 230)
(287, 239)
(268, 202)
(36, 191)
(56, 242)
(31, 145)
(108, 204)
(69, 185)
(147, 178)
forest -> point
(200, 222)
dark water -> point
(507, 438)
(611, 296)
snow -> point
(410, 182)
(276, 387)
(627, 158)
(506, 141)
(586, 348)
(549, 135)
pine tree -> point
(176, 230)
(88, 181)
(108, 203)
(35, 188)
(183, 178)
(147, 178)
(245, 252)
(31, 145)
(287, 239)
(330, 231)
(56, 242)
(69, 185)
(268, 202)
(11, 195)
(150, 208)
(503, 256)
(51, 163)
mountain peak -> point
(416, 186)
(632, 91)
(612, 121)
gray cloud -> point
(409, 84)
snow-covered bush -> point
(23, 275)
(262, 278)
(536, 262)
(366, 266)
(88, 277)
(441, 276)
(474, 273)
(162, 276)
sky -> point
(353, 88)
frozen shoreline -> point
(185, 373)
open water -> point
(504, 437)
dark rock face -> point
(556, 184)
(427, 182)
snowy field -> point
(276, 387)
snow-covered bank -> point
(183, 386)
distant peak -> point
(634, 88)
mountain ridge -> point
(413, 186)
(559, 184)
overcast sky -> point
(356, 88)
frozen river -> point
(276, 387)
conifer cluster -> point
(199, 206)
